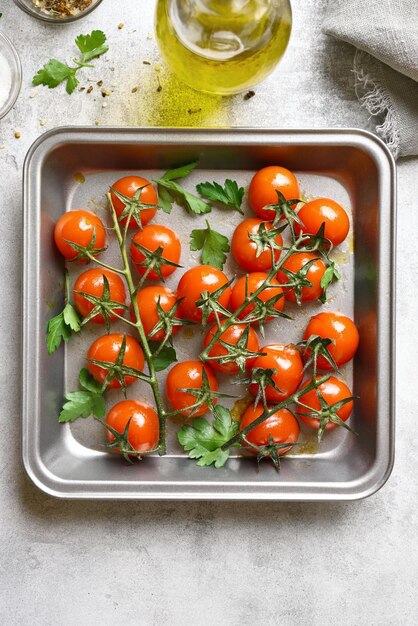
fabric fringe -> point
(375, 99)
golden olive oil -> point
(223, 46)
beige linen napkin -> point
(385, 33)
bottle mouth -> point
(221, 30)
(9, 54)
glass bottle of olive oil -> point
(223, 46)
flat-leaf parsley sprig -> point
(230, 195)
(214, 246)
(63, 325)
(55, 72)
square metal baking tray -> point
(66, 461)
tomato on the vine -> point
(343, 332)
(244, 249)
(148, 299)
(196, 281)
(79, 227)
(264, 186)
(144, 427)
(152, 237)
(247, 285)
(230, 336)
(189, 375)
(287, 364)
(281, 427)
(91, 282)
(316, 270)
(128, 186)
(324, 211)
(107, 349)
(332, 391)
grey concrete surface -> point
(66, 563)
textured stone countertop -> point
(66, 563)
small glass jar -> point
(10, 56)
(29, 7)
(223, 46)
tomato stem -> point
(153, 382)
(314, 384)
(233, 318)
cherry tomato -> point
(282, 427)
(127, 186)
(107, 349)
(231, 336)
(255, 280)
(324, 211)
(333, 390)
(78, 227)
(193, 283)
(144, 428)
(315, 273)
(91, 282)
(263, 189)
(152, 237)
(147, 299)
(188, 375)
(244, 249)
(341, 330)
(287, 362)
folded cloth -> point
(385, 33)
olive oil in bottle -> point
(223, 46)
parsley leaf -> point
(170, 192)
(92, 46)
(331, 274)
(55, 72)
(63, 325)
(83, 403)
(214, 246)
(184, 198)
(162, 357)
(230, 195)
(204, 441)
(180, 172)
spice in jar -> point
(62, 8)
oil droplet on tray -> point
(308, 445)
(79, 178)
(240, 406)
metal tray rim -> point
(53, 486)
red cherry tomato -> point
(152, 237)
(341, 330)
(91, 282)
(324, 211)
(147, 299)
(244, 250)
(230, 336)
(241, 291)
(188, 375)
(144, 428)
(127, 186)
(282, 427)
(107, 349)
(263, 189)
(287, 362)
(332, 391)
(78, 227)
(193, 283)
(315, 273)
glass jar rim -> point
(28, 7)
(13, 59)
